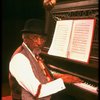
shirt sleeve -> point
(20, 68)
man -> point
(28, 76)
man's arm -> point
(21, 69)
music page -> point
(61, 38)
(81, 39)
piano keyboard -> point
(87, 87)
(84, 86)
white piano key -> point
(87, 87)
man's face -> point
(36, 41)
(40, 41)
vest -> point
(19, 93)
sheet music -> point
(61, 38)
(72, 39)
(81, 39)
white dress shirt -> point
(20, 68)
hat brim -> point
(28, 31)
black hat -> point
(35, 26)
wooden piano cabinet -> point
(72, 9)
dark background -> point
(14, 15)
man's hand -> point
(67, 78)
(49, 4)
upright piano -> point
(70, 9)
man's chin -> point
(37, 51)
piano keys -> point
(82, 85)
(88, 87)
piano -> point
(70, 9)
(88, 89)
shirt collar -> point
(28, 49)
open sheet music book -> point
(72, 39)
